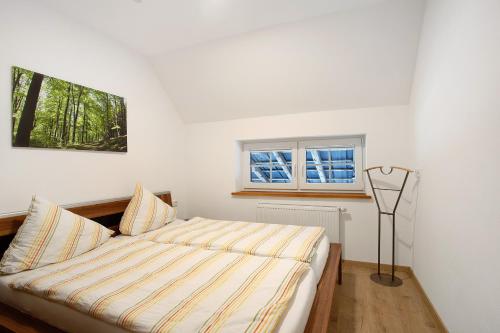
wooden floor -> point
(361, 305)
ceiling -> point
(345, 60)
(229, 59)
(156, 26)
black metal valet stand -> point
(387, 279)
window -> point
(270, 165)
(324, 164)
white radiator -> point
(301, 214)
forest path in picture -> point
(53, 113)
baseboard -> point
(383, 267)
(429, 304)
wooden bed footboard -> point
(12, 320)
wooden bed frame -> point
(108, 213)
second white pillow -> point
(145, 212)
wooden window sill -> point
(297, 194)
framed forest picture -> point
(53, 113)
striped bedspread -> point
(270, 240)
(145, 286)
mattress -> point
(318, 260)
(320, 257)
(72, 320)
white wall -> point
(213, 165)
(457, 117)
(37, 39)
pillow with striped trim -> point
(145, 212)
(48, 235)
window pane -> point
(259, 157)
(272, 166)
(330, 165)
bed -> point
(309, 309)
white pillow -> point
(145, 212)
(50, 234)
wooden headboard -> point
(106, 212)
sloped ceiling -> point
(157, 26)
(226, 59)
(352, 59)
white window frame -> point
(248, 147)
(298, 147)
(354, 142)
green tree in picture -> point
(53, 113)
